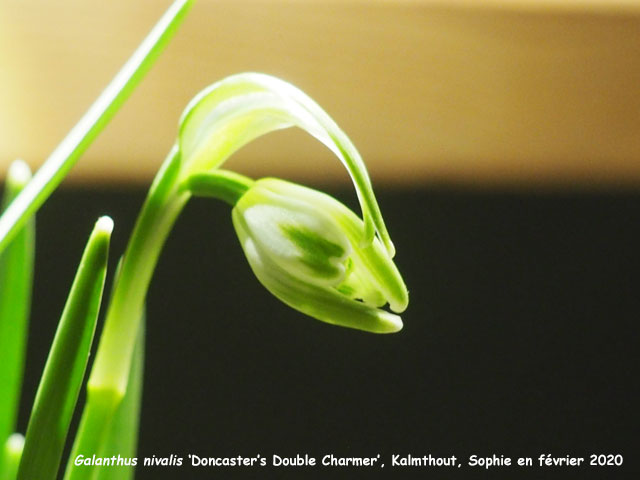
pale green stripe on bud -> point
(323, 303)
(373, 259)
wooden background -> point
(508, 93)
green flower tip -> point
(306, 248)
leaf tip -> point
(104, 225)
(19, 174)
(15, 443)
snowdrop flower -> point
(307, 249)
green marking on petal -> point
(296, 239)
(312, 243)
(316, 252)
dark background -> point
(521, 337)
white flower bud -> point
(305, 248)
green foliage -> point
(63, 373)
(16, 277)
(305, 247)
(121, 435)
(12, 451)
(91, 124)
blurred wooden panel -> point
(430, 91)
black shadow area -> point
(521, 339)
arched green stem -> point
(222, 184)
(159, 212)
(218, 122)
(164, 203)
(242, 107)
(107, 384)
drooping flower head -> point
(306, 248)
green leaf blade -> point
(16, 278)
(63, 373)
(91, 124)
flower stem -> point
(109, 426)
(123, 435)
(222, 184)
(113, 359)
(109, 378)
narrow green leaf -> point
(123, 436)
(91, 124)
(12, 453)
(120, 421)
(60, 384)
(16, 275)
